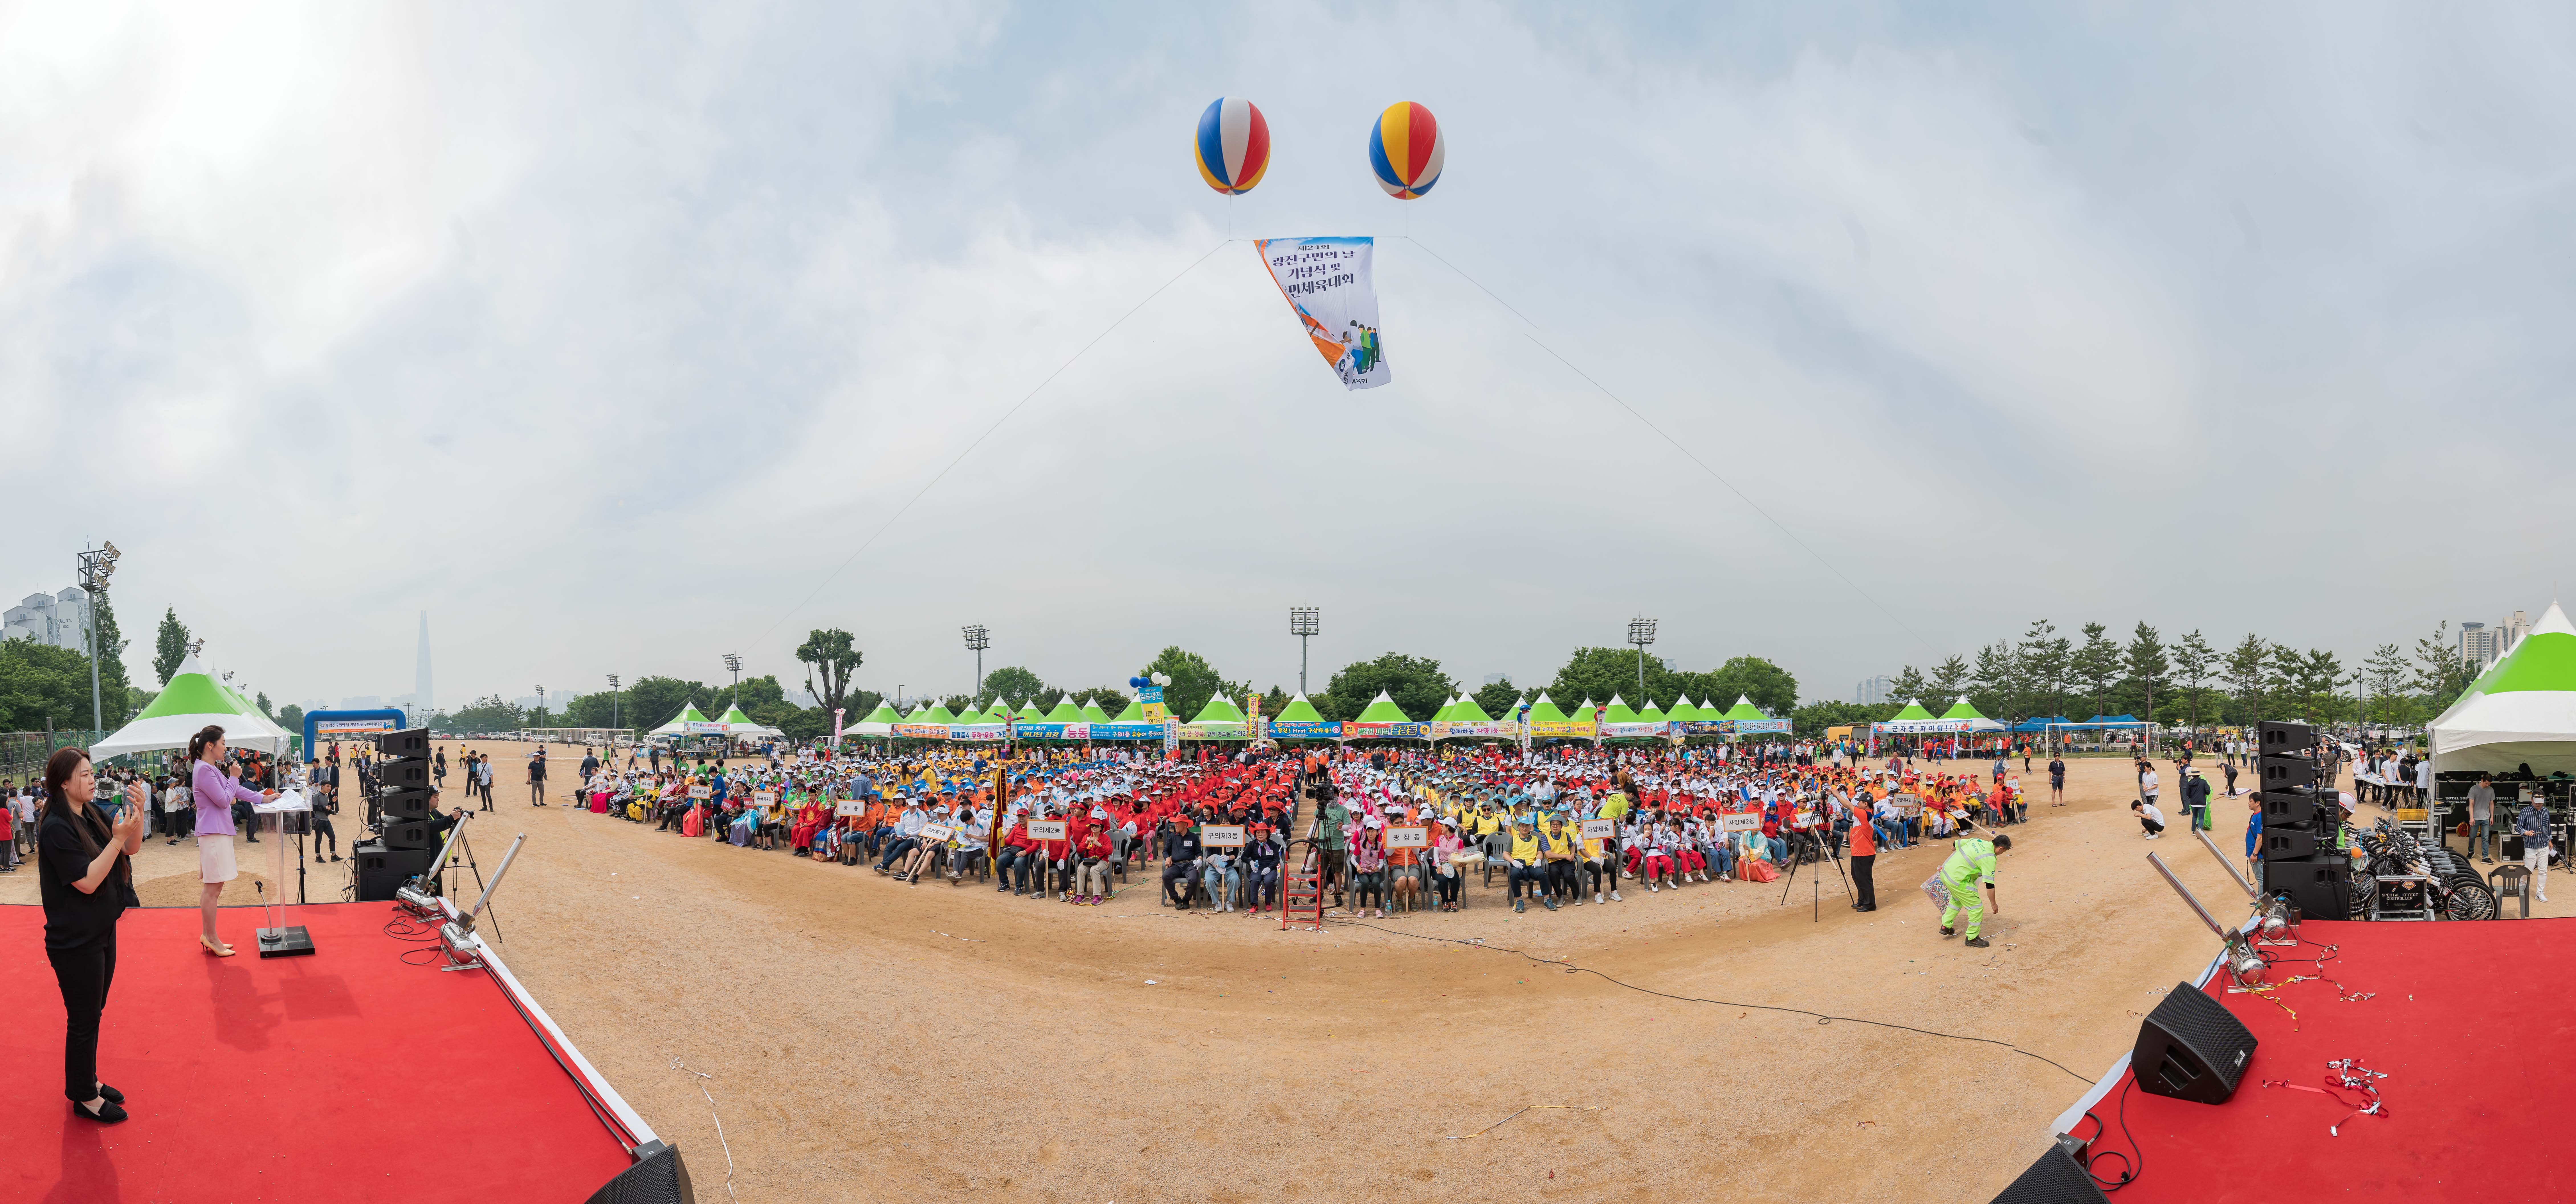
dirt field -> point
(869, 1040)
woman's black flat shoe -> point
(113, 1095)
(108, 1113)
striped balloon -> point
(1233, 146)
(1406, 150)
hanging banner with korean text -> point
(1332, 285)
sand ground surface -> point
(866, 1040)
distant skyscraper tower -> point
(420, 674)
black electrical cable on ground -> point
(1821, 1017)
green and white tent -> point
(879, 722)
(1065, 711)
(1975, 722)
(1298, 710)
(1652, 713)
(1683, 711)
(192, 700)
(1029, 713)
(743, 727)
(2520, 712)
(1135, 712)
(1091, 712)
(1446, 707)
(1220, 719)
(679, 724)
(1915, 719)
(1618, 712)
(1382, 709)
(1546, 711)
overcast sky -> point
(608, 333)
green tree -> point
(1012, 682)
(1109, 700)
(1414, 682)
(1194, 681)
(170, 646)
(1997, 686)
(1949, 681)
(42, 686)
(111, 657)
(260, 700)
(1594, 673)
(654, 700)
(830, 653)
(757, 692)
(810, 723)
(2145, 664)
(291, 717)
(2386, 673)
(2244, 673)
(1500, 699)
(1274, 702)
(1768, 685)
(2194, 658)
(2441, 673)
(2095, 665)
(485, 714)
(1908, 686)
(2044, 658)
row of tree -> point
(2189, 681)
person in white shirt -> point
(2149, 817)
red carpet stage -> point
(2474, 1026)
(347, 1075)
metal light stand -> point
(2244, 966)
(458, 846)
(456, 938)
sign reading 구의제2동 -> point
(1046, 829)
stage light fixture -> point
(456, 937)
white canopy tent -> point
(192, 700)
(2520, 712)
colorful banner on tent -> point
(1125, 731)
(1212, 731)
(922, 731)
(1333, 287)
(1387, 731)
(704, 729)
(1743, 726)
(1560, 729)
(1472, 730)
(1305, 729)
(1635, 731)
(978, 732)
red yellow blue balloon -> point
(1405, 150)
(1233, 145)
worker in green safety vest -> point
(1971, 869)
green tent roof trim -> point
(1029, 713)
(1382, 709)
(1961, 710)
(1913, 710)
(884, 713)
(190, 694)
(1585, 711)
(1298, 710)
(1091, 713)
(1220, 709)
(1546, 711)
(1447, 707)
(1683, 711)
(1744, 709)
(1618, 712)
(1652, 713)
(1065, 711)
(939, 714)
(1135, 713)
(2543, 660)
(1467, 711)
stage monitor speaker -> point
(2273, 738)
(2189, 1048)
(658, 1177)
(411, 742)
(2289, 844)
(2055, 1179)
(2295, 809)
(403, 804)
(2320, 888)
(409, 834)
(2284, 773)
(381, 870)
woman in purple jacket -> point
(216, 792)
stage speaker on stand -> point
(2190, 1048)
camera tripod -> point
(1818, 844)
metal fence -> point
(23, 754)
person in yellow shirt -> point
(1563, 849)
(1528, 864)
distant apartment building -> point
(60, 619)
(2510, 632)
(1873, 691)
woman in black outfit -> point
(84, 870)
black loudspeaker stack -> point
(402, 787)
(2300, 822)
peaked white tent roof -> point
(2521, 712)
(192, 699)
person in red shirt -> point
(1091, 856)
(1864, 851)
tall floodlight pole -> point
(1641, 632)
(1303, 623)
(612, 700)
(95, 568)
(979, 638)
(733, 665)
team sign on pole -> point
(1408, 838)
(1221, 836)
(1046, 829)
